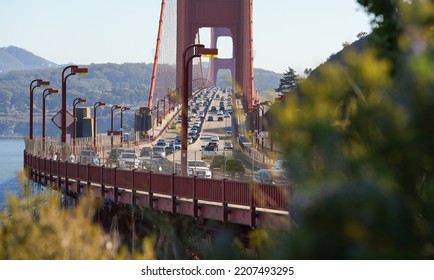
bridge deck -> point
(255, 205)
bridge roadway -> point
(229, 201)
(254, 205)
(207, 129)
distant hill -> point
(127, 84)
(14, 58)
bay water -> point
(11, 162)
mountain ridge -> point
(15, 58)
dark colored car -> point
(114, 155)
(274, 177)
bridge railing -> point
(212, 190)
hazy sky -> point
(295, 33)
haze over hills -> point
(126, 84)
(14, 58)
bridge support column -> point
(224, 203)
(195, 206)
(173, 198)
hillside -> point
(126, 84)
(14, 58)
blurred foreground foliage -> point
(358, 139)
(38, 227)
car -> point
(202, 114)
(194, 130)
(220, 119)
(145, 152)
(129, 160)
(158, 152)
(89, 157)
(213, 145)
(114, 154)
(209, 151)
(213, 108)
(228, 145)
(220, 113)
(193, 135)
(280, 164)
(210, 118)
(228, 133)
(227, 115)
(215, 138)
(198, 168)
(169, 149)
(177, 145)
(271, 176)
(161, 143)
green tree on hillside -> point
(289, 82)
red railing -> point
(165, 192)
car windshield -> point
(197, 163)
(128, 155)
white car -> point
(158, 152)
(129, 160)
(198, 168)
(215, 138)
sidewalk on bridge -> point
(259, 159)
(160, 130)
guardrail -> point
(216, 199)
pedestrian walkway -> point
(259, 160)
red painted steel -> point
(62, 168)
(270, 196)
(238, 192)
(142, 180)
(118, 185)
(94, 173)
(209, 189)
(108, 176)
(82, 172)
(71, 170)
(157, 53)
(235, 15)
(124, 178)
(184, 186)
(161, 183)
(54, 167)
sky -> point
(286, 33)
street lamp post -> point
(135, 125)
(114, 107)
(74, 69)
(39, 83)
(268, 104)
(122, 129)
(47, 91)
(158, 112)
(74, 127)
(96, 105)
(198, 51)
(152, 119)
